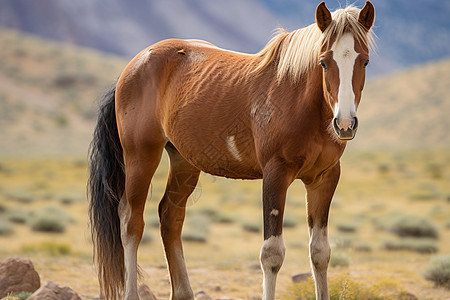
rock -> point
(53, 291)
(145, 293)
(201, 295)
(407, 296)
(254, 266)
(18, 275)
(299, 277)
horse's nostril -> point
(354, 123)
(335, 125)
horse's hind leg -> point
(139, 170)
(182, 180)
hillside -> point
(48, 92)
(126, 27)
(409, 32)
(407, 109)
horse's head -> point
(344, 56)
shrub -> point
(152, 220)
(383, 168)
(251, 225)
(289, 220)
(68, 200)
(361, 247)
(61, 120)
(342, 287)
(21, 196)
(341, 242)
(5, 227)
(223, 217)
(439, 270)
(147, 237)
(339, 260)
(410, 244)
(17, 216)
(413, 226)
(48, 224)
(50, 247)
(49, 220)
(22, 295)
(347, 227)
(436, 170)
(196, 228)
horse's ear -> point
(323, 16)
(367, 15)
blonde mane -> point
(297, 52)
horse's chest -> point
(315, 167)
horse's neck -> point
(308, 94)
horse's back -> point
(198, 97)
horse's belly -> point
(227, 154)
(226, 162)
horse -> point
(284, 113)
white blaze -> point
(345, 55)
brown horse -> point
(282, 114)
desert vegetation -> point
(389, 222)
(438, 270)
(377, 230)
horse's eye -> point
(366, 62)
(324, 66)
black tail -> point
(106, 186)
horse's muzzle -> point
(345, 128)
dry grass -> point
(366, 196)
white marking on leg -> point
(180, 280)
(129, 244)
(274, 212)
(232, 147)
(130, 256)
(345, 55)
(272, 256)
(319, 250)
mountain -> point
(48, 107)
(409, 32)
(126, 27)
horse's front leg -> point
(318, 200)
(276, 181)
